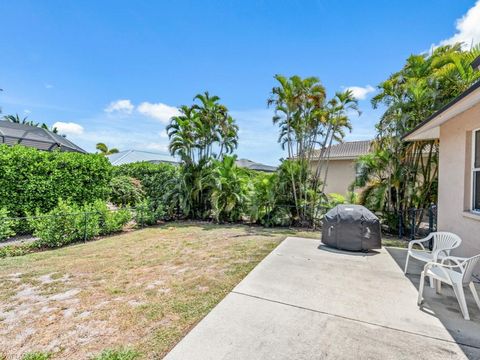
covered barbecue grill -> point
(351, 227)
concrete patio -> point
(306, 301)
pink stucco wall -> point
(454, 191)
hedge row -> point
(31, 179)
(157, 181)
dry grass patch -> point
(142, 290)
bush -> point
(158, 181)
(111, 221)
(65, 224)
(6, 225)
(34, 179)
(148, 214)
(334, 199)
(125, 190)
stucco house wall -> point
(454, 182)
(341, 174)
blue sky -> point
(114, 71)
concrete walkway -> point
(306, 301)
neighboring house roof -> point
(476, 63)
(249, 164)
(347, 150)
(133, 156)
(34, 136)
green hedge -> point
(32, 179)
(157, 181)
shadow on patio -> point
(443, 306)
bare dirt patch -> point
(142, 290)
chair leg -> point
(430, 279)
(438, 286)
(406, 264)
(420, 288)
(474, 293)
(458, 289)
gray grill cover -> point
(351, 227)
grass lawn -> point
(140, 291)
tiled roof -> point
(132, 156)
(348, 150)
(249, 164)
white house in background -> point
(457, 125)
(133, 156)
(342, 165)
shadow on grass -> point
(444, 306)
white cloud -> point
(69, 128)
(158, 111)
(468, 28)
(27, 112)
(48, 86)
(123, 106)
(361, 93)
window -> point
(476, 171)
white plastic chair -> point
(442, 272)
(443, 243)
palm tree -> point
(104, 150)
(338, 110)
(17, 120)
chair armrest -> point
(455, 259)
(419, 242)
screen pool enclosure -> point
(351, 227)
(34, 136)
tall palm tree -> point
(338, 110)
(104, 150)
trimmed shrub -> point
(126, 190)
(6, 225)
(33, 179)
(65, 224)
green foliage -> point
(203, 131)
(110, 221)
(33, 179)
(308, 127)
(399, 175)
(122, 354)
(6, 225)
(146, 213)
(16, 250)
(125, 190)
(37, 355)
(335, 199)
(65, 224)
(228, 190)
(158, 182)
